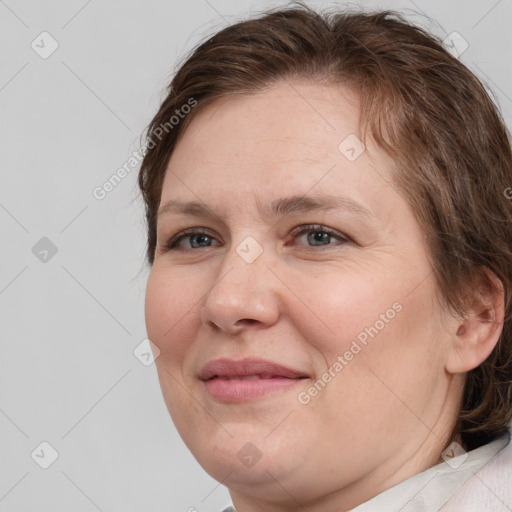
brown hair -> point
(423, 107)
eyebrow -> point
(279, 207)
(196, 208)
(300, 204)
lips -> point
(228, 380)
(247, 369)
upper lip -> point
(244, 367)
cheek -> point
(170, 305)
(371, 319)
(390, 347)
(343, 306)
(171, 308)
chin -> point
(245, 457)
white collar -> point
(430, 490)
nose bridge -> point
(244, 264)
(242, 290)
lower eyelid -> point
(335, 243)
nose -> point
(243, 296)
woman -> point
(331, 249)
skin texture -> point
(388, 413)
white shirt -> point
(476, 481)
(479, 481)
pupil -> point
(317, 237)
(199, 240)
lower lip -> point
(242, 390)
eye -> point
(316, 235)
(193, 238)
(312, 235)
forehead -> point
(291, 136)
(287, 116)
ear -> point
(477, 333)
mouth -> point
(237, 381)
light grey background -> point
(69, 325)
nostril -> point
(247, 321)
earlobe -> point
(478, 332)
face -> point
(292, 300)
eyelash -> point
(299, 230)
